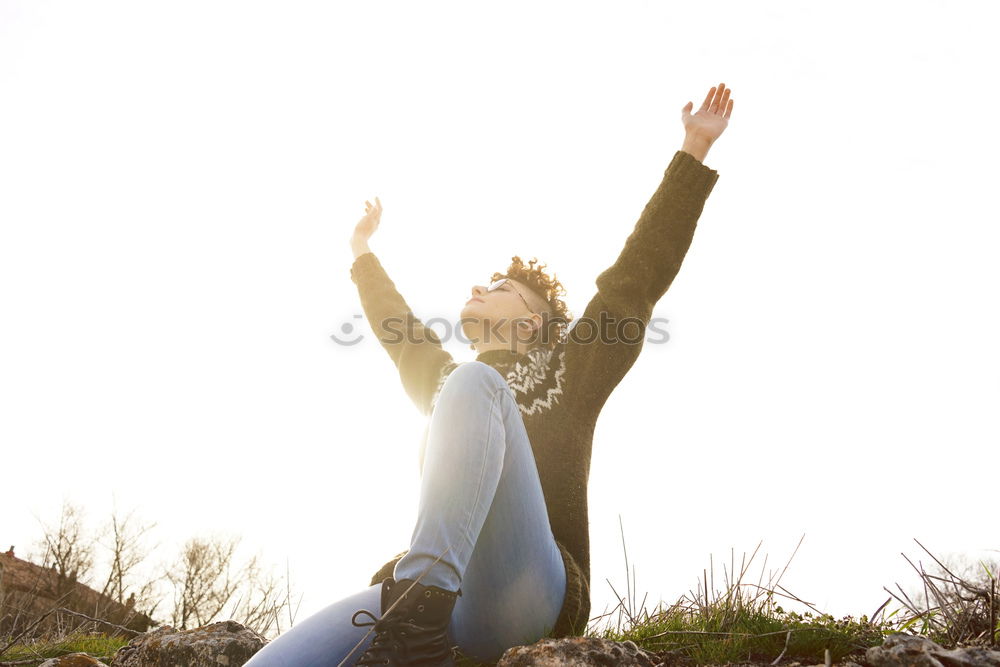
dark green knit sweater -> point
(560, 391)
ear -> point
(536, 324)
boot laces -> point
(388, 638)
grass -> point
(743, 623)
(98, 645)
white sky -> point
(179, 181)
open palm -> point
(713, 116)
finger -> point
(708, 100)
(725, 100)
(718, 97)
(729, 111)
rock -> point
(580, 651)
(222, 644)
(902, 650)
(73, 660)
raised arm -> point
(415, 349)
(605, 342)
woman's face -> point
(487, 315)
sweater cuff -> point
(686, 167)
(363, 264)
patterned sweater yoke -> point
(561, 390)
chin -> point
(470, 310)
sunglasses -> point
(497, 284)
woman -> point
(500, 553)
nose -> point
(478, 290)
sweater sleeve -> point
(605, 341)
(415, 349)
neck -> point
(488, 339)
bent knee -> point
(473, 374)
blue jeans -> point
(481, 496)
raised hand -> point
(369, 221)
(366, 227)
(712, 118)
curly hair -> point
(549, 289)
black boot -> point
(414, 631)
